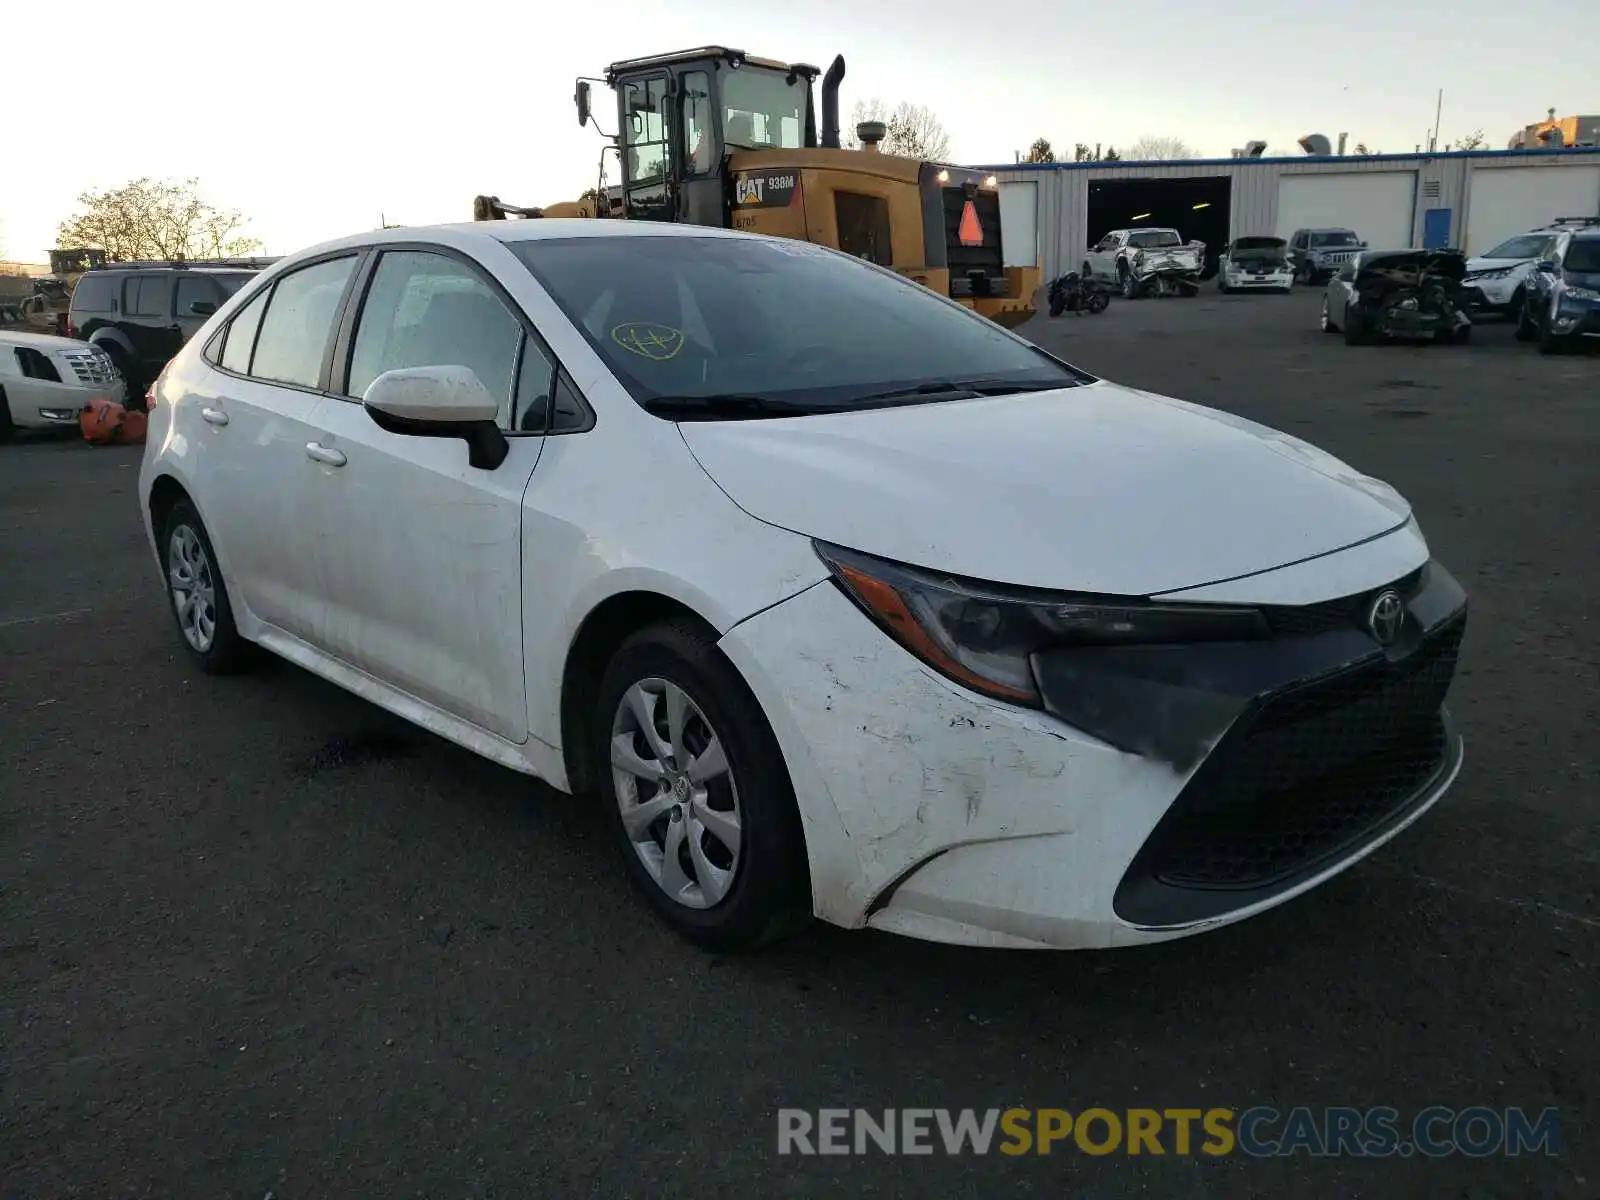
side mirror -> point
(1548, 266)
(446, 402)
(203, 308)
(1361, 245)
(582, 100)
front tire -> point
(1549, 341)
(697, 794)
(198, 595)
(1325, 318)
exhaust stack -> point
(830, 102)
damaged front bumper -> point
(1263, 768)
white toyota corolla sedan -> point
(842, 600)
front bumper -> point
(1241, 280)
(932, 812)
(1576, 318)
(1492, 295)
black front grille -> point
(1302, 779)
(986, 257)
(1347, 612)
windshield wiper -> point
(727, 405)
(959, 389)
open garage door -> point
(1378, 205)
(1502, 201)
(1196, 207)
(1019, 224)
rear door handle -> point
(213, 416)
(326, 455)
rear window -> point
(708, 316)
(93, 294)
(1146, 238)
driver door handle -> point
(326, 455)
(213, 416)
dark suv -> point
(141, 313)
(1563, 299)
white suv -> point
(46, 381)
(1500, 275)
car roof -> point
(465, 233)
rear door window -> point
(242, 335)
(147, 296)
(299, 323)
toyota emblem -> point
(1386, 616)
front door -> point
(419, 553)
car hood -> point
(1478, 263)
(1097, 488)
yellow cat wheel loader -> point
(712, 136)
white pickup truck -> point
(1145, 262)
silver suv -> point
(1500, 278)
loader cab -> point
(680, 115)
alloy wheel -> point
(193, 586)
(677, 795)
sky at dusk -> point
(316, 119)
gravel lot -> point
(257, 936)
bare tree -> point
(1163, 149)
(1041, 152)
(1361, 148)
(913, 130)
(1473, 141)
(149, 219)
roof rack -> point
(1576, 221)
(256, 264)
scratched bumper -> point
(897, 769)
(934, 813)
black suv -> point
(141, 313)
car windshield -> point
(233, 282)
(1146, 238)
(1583, 255)
(1338, 237)
(1524, 246)
(759, 327)
(762, 110)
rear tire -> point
(673, 826)
(198, 595)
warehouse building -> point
(1051, 212)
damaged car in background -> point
(1255, 264)
(1147, 262)
(1399, 294)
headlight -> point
(983, 635)
(1582, 293)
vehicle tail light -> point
(150, 397)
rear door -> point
(249, 427)
(419, 553)
(148, 322)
